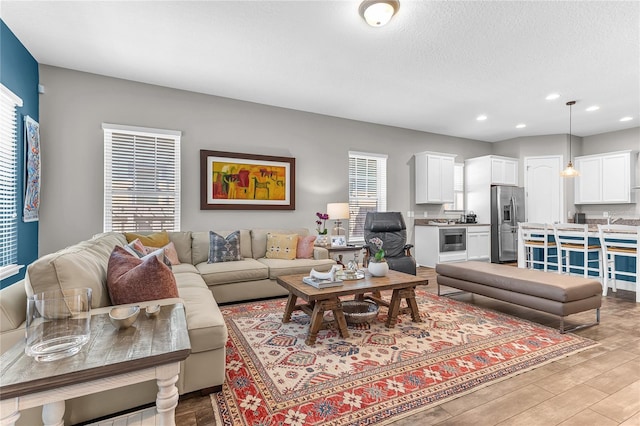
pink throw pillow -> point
(169, 251)
(133, 280)
(305, 247)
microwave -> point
(453, 239)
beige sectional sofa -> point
(201, 286)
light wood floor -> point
(599, 386)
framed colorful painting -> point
(233, 181)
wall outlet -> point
(569, 214)
(425, 214)
(605, 214)
(410, 213)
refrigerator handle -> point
(514, 212)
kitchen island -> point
(622, 264)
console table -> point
(150, 349)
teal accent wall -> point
(19, 73)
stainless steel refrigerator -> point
(507, 210)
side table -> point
(151, 348)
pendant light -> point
(570, 171)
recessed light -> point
(521, 126)
(552, 96)
(481, 117)
(627, 118)
(593, 108)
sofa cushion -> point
(207, 330)
(200, 244)
(259, 238)
(81, 265)
(224, 249)
(131, 280)
(184, 267)
(278, 267)
(189, 279)
(231, 272)
(282, 246)
(182, 242)
(155, 239)
(304, 250)
(13, 309)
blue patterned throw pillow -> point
(223, 249)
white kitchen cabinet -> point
(427, 245)
(605, 178)
(434, 178)
(504, 171)
(479, 243)
(482, 172)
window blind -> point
(8, 183)
(367, 189)
(141, 179)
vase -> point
(378, 269)
(322, 240)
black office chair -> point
(391, 229)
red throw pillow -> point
(133, 280)
(305, 247)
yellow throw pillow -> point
(158, 239)
(281, 246)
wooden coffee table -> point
(151, 349)
(328, 299)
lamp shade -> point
(337, 211)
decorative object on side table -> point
(321, 229)
(123, 317)
(378, 266)
(58, 325)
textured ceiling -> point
(435, 67)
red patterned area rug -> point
(376, 375)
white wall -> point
(75, 104)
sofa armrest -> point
(13, 306)
(320, 253)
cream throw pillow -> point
(281, 246)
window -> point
(8, 183)
(458, 189)
(141, 179)
(367, 189)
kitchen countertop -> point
(431, 222)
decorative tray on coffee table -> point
(345, 275)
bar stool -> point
(536, 236)
(618, 241)
(574, 238)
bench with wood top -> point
(549, 292)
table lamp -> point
(337, 212)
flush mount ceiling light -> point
(378, 12)
(552, 96)
(481, 117)
(569, 171)
(521, 126)
(626, 118)
(593, 108)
